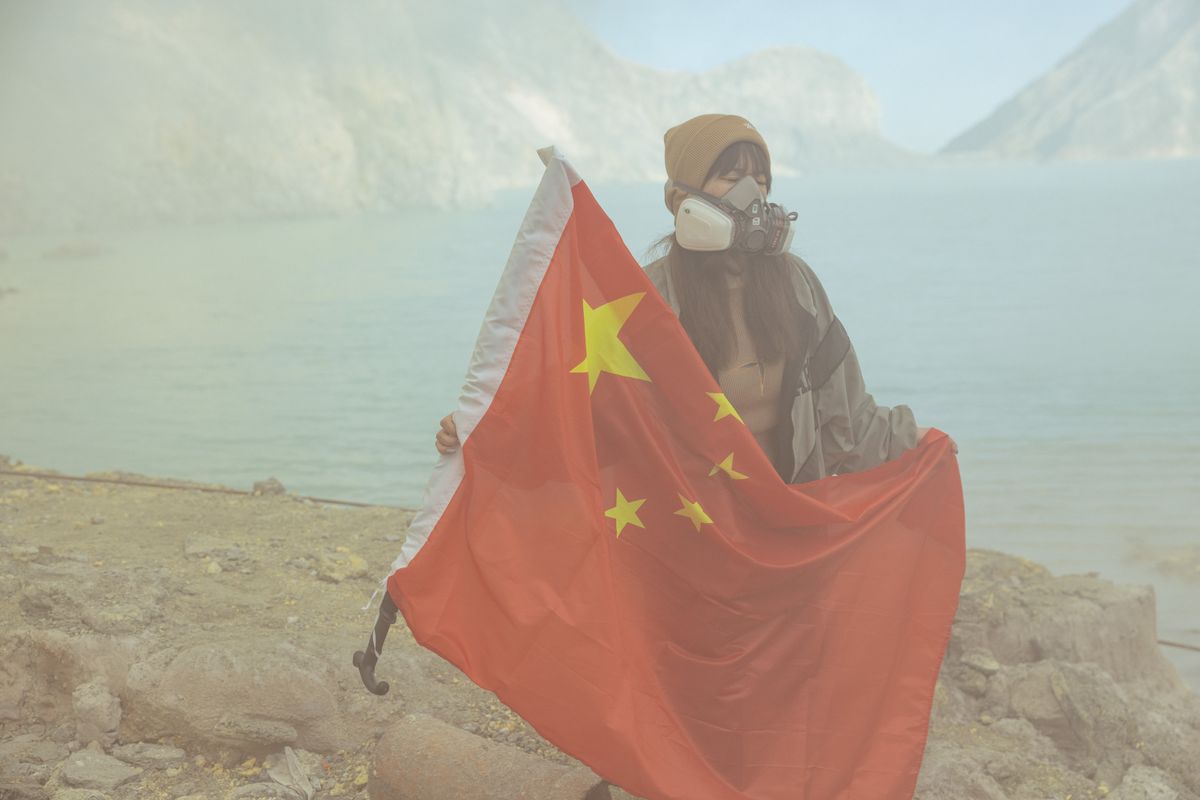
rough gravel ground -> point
(1052, 686)
(167, 567)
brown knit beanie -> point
(692, 148)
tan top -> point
(752, 386)
(834, 428)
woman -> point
(762, 323)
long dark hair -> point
(774, 318)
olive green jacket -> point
(829, 423)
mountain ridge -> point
(195, 112)
(1127, 91)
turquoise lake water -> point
(1045, 316)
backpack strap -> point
(808, 372)
(828, 355)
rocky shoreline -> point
(167, 643)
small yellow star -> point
(625, 512)
(606, 352)
(724, 407)
(692, 510)
(727, 467)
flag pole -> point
(366, 660)
(445, 481)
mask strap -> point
(693, 190)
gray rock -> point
(203, 546)
(981, 661)
(29, 759)
(62, 733)
(1145, 783)
(249, 695)
(46, 603)
(271, 486)
(33, 774)
(97, 713)
(119, 618)
(88, 769)
(31, 749)
(44, 662)
(1018, 612)
(79, 794)
(1054, 687)
(1077, 706)
(1168, 730)
(288, 769)
(150, 756)
(946, 775)
(254, 791)
(422, 758)
(11, 789)
(337, 566)
(253, 731)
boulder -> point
(1147, 783)
(263, 791)
(149, 756)
(28, 759)
(97, 713)
(271, 486)
(15, 789)
(340, 565)
(252, 696)
(423, 758)
(89, 769)
(1055, 686)
(78, 794)
(1079, 707)
(1015, 612)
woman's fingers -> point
(447, 437)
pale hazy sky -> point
(937, 66)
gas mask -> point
(740, 220)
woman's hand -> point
(447, 437)
(921, 435)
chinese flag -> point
(614, 556)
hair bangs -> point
(744, 157)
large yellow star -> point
(727, 467)
(724, 407)
(625, 512)
(605, 352)
(692, 510)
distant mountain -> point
(1131, 90)
(142, 111)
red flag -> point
(612, 553)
